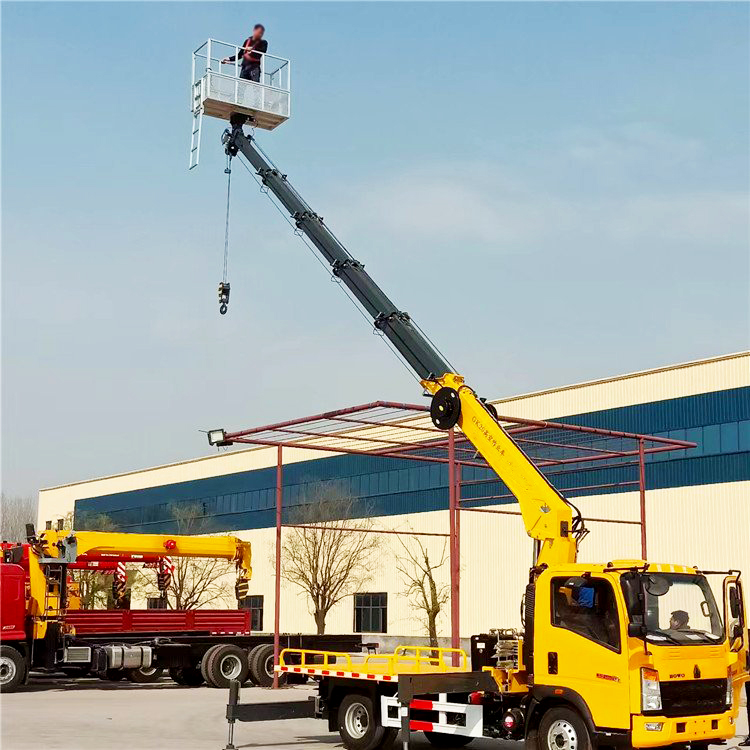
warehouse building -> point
(697, 503)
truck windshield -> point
(680, 608)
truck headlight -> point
(650, 690)
(730, 692)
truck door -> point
(735, 623)
(579, 645)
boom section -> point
(395, 324)
(546, 514)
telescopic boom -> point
(547, 516)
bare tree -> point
(197, 582)
(426, 595)
(15, 512)
(335, 558)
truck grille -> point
(693, 697)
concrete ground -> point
(61, 714)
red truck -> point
(38, 631)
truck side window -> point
(586, 606)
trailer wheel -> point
(145, 675)
(438, 739)
(359, 726)
(562, 728)
(12, 668)
(223, 663)
(261, 666)
(188, 676)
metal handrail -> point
(210, 59)
(414, 657)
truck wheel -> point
(223, 663)
(563, 728)
(358, 724)
(12, 668)
(188, 676)
(261, 666)
(144, 675)
(438, 739)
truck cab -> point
(641, 652)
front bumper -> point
(681, 730)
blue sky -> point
(555, 192)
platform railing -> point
(275, 71)
(404, 658)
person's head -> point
(678, 620)
(258, 30)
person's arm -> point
(234, 57)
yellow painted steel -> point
(404, 660)
(44, 597)
(545, 513)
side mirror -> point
(735, 605)
(636, 630)
(736, 631)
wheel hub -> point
(562, 736)
(7, 670)
(356, 721)
(231, 667)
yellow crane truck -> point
(35, 632)
(621, 652)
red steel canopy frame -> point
(405, 431)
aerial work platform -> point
(218, 90)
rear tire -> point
(562, 728)
(438, 739)
(145, 675)
(223, 663)
(261, 665)
(359, 726)
(12, 669)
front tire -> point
(12, 669)
(438, 739)
(359, 727)
(562, 728)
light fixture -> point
(218, 437)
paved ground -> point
(58, 714)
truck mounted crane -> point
(34, 582)
(598, 660)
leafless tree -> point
(197, 582)
(418, 572)
(15, 512)
(335, 558)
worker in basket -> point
(251, 51)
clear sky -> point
(555, 192)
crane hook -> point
(223, 297)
